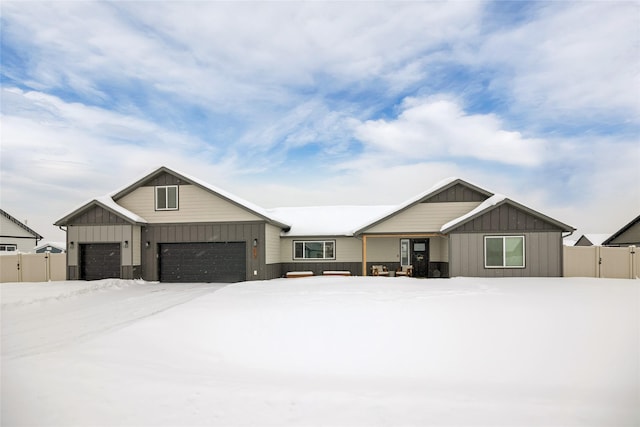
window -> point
(8, 248)
(504, 251)
(314, 250)
(167, 198)
(404, 252)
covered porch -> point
(426, 253)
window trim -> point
(406, 242)
(504, 258)
(166, 187)
(324, 250)
(5, 247)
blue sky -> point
(293, 104)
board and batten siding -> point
(272, 244)
(194, 205)
(157, 234)
(543, 255)
(348, 249)
(81, 234)
(423, 217)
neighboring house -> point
(50, 247)
(171, 227)
(15, 236)
(591, 239)
(627, 236)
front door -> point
(420, 257)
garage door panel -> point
(100, 261)
(202, 262)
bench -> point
(295, 274)
(336, 273)
(379, 270)
(405, 270)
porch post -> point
(364, 254)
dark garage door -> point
(202, 262)
(99, 261)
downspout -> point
(562, 251)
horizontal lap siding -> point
(423, 217)
(194, 205)
(272, 244)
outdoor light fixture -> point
(71, 244)
(147, 244)
(126, 243)
(255, 249)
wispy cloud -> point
(298, 103)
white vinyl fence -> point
(33, 267)
(602, 261)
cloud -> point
(437, 128)
(570, 59)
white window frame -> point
(405, 252)
(324, 249)
(504, 251)
(8, 247)
(166, 195)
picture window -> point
(504, 252)
(323, 249)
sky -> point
(323, 103)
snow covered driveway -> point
(323, 351)
(40, 317)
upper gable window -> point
(167, 198)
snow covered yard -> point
(322, 351)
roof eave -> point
(561, 225)
(621, 231)
(164, 169)
(420, 199)
(64, 220)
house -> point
(50, 248)
(627, 236)
(591, 240)
(171, 227)
(15, 236)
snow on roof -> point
(59, 245)
(232, 197)
(108, 202)
(491, 201)
(327, 220)
(111, 204)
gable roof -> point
(594, 239)
(622, 230)
(20, 224)
(438, 188)
(58, 245)
(494, 202)
(105, 202)
(109, 201)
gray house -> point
(627, 236)
(171, 227)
